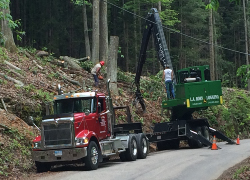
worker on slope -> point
(96, 70)
(168, 76)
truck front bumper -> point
(59, 155)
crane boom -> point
(153, 26)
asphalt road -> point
(182, 164)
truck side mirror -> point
(87, 112)
(30, 121)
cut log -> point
(12, 66)
(84, 59)
(40, 67)
(28, 54)
(57, 62)
(68, 79)
(72, 71)
(16, 73)
(4, 105)
(72, 63)
(42, 53)
(18, 83)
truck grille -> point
(57, 134)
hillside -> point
(31, 81)
(28, 81)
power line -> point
(169, 29)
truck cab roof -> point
(78, 95)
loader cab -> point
(193, 74)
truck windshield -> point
(75, 105)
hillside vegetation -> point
(26, 88)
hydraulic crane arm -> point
(153, 26)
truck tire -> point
(42, 167)
(92, 158)
(142, 145)
(195, 143)
(131, 151)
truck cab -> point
(80, 127)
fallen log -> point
(63, 64)
(84, 59)
(4, 105)
(12, 66)
(72, 63)
(40, 67)
(68, 79)
(72, 71)
(17, 74)
(19, 83)
(28, 54)
(42, 53)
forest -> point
(195, 34)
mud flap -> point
(220, 135)
(194, 135)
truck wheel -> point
(131, 151)
(92, 159)
(195, 143)
(142, 145)
(42, 167)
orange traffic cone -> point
(214, 146)
(238, 140)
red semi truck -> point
(81, 127)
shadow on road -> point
(81, 167)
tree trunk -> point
(246, 41)
(135, 37)
(211, 47)
(86, 34)
(7, 33)
(104, 31)
(126, 53)
(181, 63)
(96, 32)
(125, 40)
(112, 63)
(216, 69)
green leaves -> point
(215, 4)
(244, 72)
(80, 2)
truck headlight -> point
(81, 141)
(36, 145)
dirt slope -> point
(40, 77)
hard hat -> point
(102, 63)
